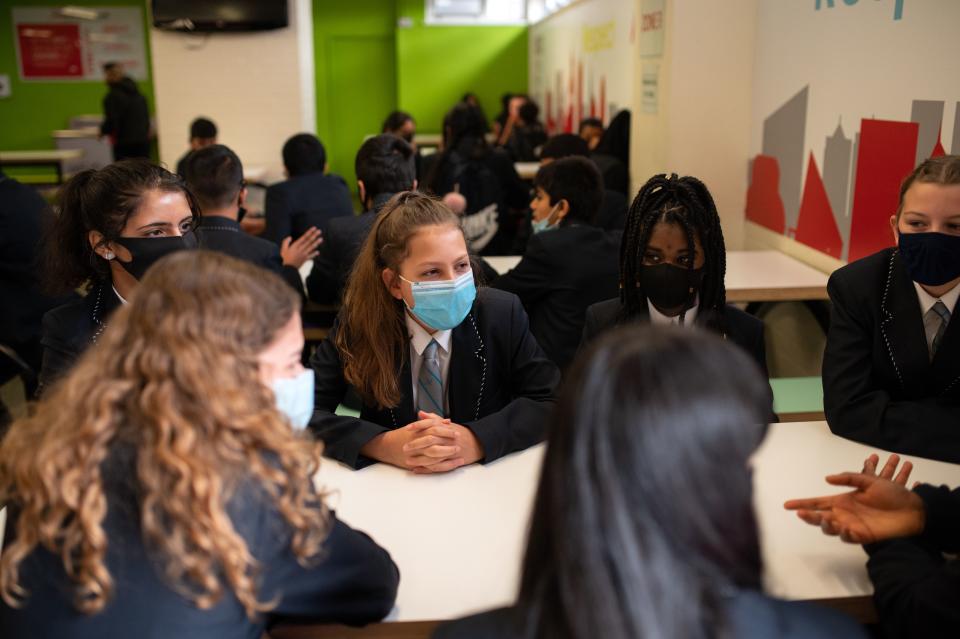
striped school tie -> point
(430, 391)
(937, 316)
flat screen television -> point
(219, 15)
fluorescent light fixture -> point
(81, 13)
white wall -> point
(258, 87)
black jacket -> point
(342, 238)
(879, 385)
(917, 590)
(311, 199)
(613, 211)
(355, 582)
(751, 614)
(125, 114)
(225, 235)
(69, 329)
(23, 214)
(500, 386)
(743, 329)
(562, 273)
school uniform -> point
(497, 382)
(69, 329)
(311, 199)
(916, 589)
(564, 271)
(342, 238)
(612, 215)
(743, 329)
(353, 581)
(224, 235)
(751, 615)
(880, 384)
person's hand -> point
(469, 449)
(429, 442)
(881, 507)
(296, 253)
(455, 202)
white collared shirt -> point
(419, 338)
(927, 301)
(658, 318)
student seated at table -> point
(891, 368)
(613, 210)
(203, 133)
(402, 125)
(672, 263)
(643, 522)
(569, 263)
(485, 177)
(310, 197)
(114, 223)
(612, 153)
(525, 134)
(384, 166)
(591, 131)
(906, 533)
(448, 375)
(165, 487)
(215, 177)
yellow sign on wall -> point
(599, 37)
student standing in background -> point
(126, 119)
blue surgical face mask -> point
(295, 398)
(930, 258)
(540, 226)
(443, 305)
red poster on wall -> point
(50, 51)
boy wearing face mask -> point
(891, 369)
(672, 263)
(569, 262)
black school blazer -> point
(879, 385)
(743, 329)
(500, 386)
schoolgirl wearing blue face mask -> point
(891, 369)
(448, 374)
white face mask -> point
(294, 397)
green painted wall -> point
(437, 65)
(366, 66)
(34, 109)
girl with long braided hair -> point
(672, 264)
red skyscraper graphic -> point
(886, 155)
(764, 205)
(816, 225)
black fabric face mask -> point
(668, 286)
(930, 258)
(147, 250)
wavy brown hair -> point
(372, 336)
(175, 379)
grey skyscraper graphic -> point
(784, 132)
(929, 115)
(836, 178)
(955, 147)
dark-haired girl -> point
(643, 523)
(113, 224)
(672, 264)
(448, 375)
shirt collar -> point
(656, 317)
(927, 300)
(419, 336)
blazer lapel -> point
(405, 412)
(466, 376)
(945, 367)
(902, 326)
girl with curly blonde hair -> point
(166, 485)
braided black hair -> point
(686, 202)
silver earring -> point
(109, 255)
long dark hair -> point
(100, 200)
(464, 128)
(686, 202)
(643, 519)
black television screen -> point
(219, 15)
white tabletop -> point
(752, 276)
(527, 170)
(459, 538)
(45, 156)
